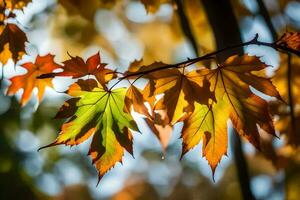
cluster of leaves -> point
(203, 97)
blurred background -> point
(124, 31)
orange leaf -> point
(135, 99)
(76, 67)
(28, 81)
(180, 93)
(290, 40)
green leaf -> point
(98, 112)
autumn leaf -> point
(159, 125)
(230, 82)
(28, 81)
(135, 99)
(12, 43)
(148, 95)
(180, 93)
(76, 67)
(95, 111)
(290, 40)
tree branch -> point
(212, 55)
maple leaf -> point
(134, 98)
(180, 93)
(28, 81)
(12, 43)
(290, 40)
(159, 125)
(98, 112)
(76, 67)
(230, 82)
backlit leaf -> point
(180, 93)
(97, 112)
(231, 83)
(135, 99)
(76, 67)
(28, 81)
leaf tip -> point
(48, 145)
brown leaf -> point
(290, 40)
(12, 43)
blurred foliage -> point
(155, 34)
